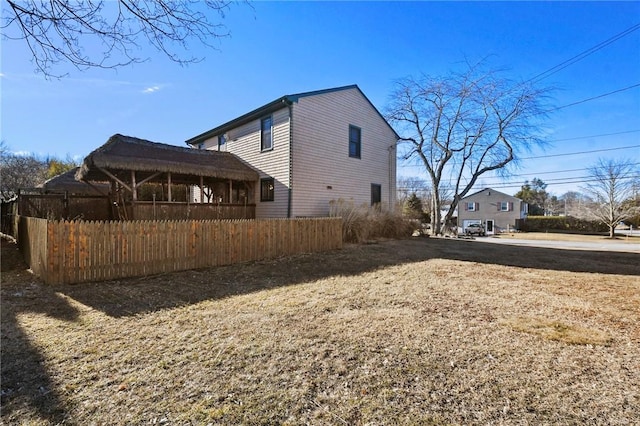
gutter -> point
(392, 162)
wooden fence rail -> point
(62, 252)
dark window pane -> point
(376, 194)
(266, 141)
(267, 189)
(354, 141)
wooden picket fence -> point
(62, 252)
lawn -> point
(419, 331)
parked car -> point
(475, 229)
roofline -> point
(275, 105)
(491, 189)
(378, 112)
(243, 119)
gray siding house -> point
(493, 209)
(311, 148)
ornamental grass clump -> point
(364, 223)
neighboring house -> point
(311, 148)
(493, 209)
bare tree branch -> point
(60, 31)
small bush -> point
(363, 223)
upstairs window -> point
(267, 189)
(221, 141)
(472, 207)
(266, 139)
(354, 141)
(505, 206)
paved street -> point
(571, 245)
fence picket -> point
(78, 251)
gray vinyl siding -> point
(322, 168)
(244, 142)
(487, 202)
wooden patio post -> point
(169, 186)
(201, 190)
(134, 189)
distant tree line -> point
(19, 171)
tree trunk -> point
(436, 215)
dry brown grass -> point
(557, 330)
(420, 331)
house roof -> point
(489, 189)
(125, 153)
(67, 182)
(275, 105)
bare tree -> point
(412, 185)
(58, 31)
(572, 203)
(611, 184)
(462, 126)
(18, 171)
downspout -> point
(289, 201)
(391, 169)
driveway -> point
(568, 245)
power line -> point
(566, 182)
(595, 97)
(503, 185)
(550, 182)
(583, 55)
(551, 155)
(553, 172)
(550, 172)
(580, 152)
(593, 136)
(547, 181)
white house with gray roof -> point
(311, 148)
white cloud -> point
(152, 89)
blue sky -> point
(279, 48)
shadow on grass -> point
(138, 295)
(25, 379)
(27, 385)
